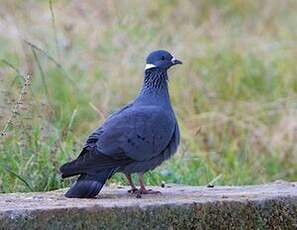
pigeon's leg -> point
(142, 189)
(133, 188)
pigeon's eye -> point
(162, 58)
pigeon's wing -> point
(90, 160)
(95, 135)
(140, 133)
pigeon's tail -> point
(70, 169)
(88, 186)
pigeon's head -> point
(161, 59)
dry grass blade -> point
(16, 106)
(14, 68)
(18, 75)
(98, 111)
(41, 73)
(54, 29)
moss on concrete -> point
(271, 206)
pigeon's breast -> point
(150, 164)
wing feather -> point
(141, 133)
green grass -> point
(235, 96)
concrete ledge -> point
(270, 206)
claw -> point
(148, 191)
(133, 190)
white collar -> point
(149, 66)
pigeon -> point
(135, 139)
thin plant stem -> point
(19, 75)
(42, 75)
(16, 106)
(54, 29)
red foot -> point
(148, 191)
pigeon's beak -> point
(174, 61)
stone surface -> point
(270, 206)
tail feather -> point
(88, 161)
(67, 170)
(88, 186)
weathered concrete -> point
(271, 206)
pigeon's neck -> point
(155, 80)
(155, 87)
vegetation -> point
(235, 96)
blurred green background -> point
(235, 96)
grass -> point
(235, 96)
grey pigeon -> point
(135, 139)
